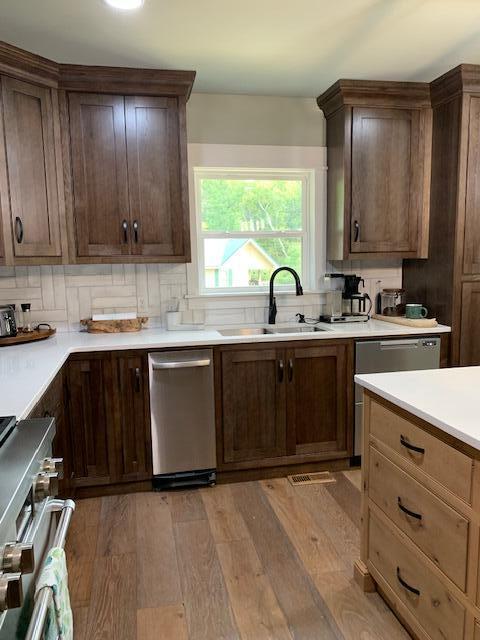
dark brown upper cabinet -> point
(31, 209)
(93, 162)
(99, 170)
(128, 161)
(379, 137)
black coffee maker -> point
(357, 301)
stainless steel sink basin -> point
(300, 329)
(260, 331)
(244, 331)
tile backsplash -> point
(62, 295)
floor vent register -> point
(321, 477)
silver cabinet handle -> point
(186, 364)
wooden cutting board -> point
(419, 323)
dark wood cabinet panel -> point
(471, 255)
(442, 281)
(379, 138)
(99, 169)
(133, 450)
(253, 404)
(31, 168)
(470, 325)
(386, 190)
(319, 399)
(89, 419)
(155, 183)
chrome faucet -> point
(272, 306)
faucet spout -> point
(272, 305)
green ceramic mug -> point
(415, 311)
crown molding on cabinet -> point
(372, 93)
(465, 78)
(28, 66)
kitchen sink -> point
(244, 331)
(260, 331)
(301, 329)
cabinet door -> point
(31, 168)
(89, 419)
(319, 399)
(133, 451)
(99, 170)
(471, 255)
(387, 180)
(253, 404)
(155, 176)
(470, 325)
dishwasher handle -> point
(385, 345)
(181, 364)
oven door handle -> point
(42, 601)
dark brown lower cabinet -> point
(279, 406)
(52, 404)
(108, 418)
(470, 325)
(132, 437)
(319, 399)
(88, 381)
(253, 404)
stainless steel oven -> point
(28, 521)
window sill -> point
(245, 294)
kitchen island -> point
(421, 499)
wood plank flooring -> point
(247, 561)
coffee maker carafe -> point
(355, 303)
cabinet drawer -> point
(424, 595)
(476, 633)
(438, 530)
(445, 464)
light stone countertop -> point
(446, 398)
(26, 370)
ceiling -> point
(266, 47)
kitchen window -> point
(249, 222)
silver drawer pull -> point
(181, 364)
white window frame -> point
(257, 161)
(305, 176)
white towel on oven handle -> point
(54, 576)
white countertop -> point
(447, 398)
(26, 370)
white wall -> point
(264, 120)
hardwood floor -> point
(246, 561)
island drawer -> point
(437, 529)
(451, 468)
(476, 634)
(421, 592)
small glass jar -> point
(27, 317)
(392, 302)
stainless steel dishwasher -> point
(182, 418)
(380, 356)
